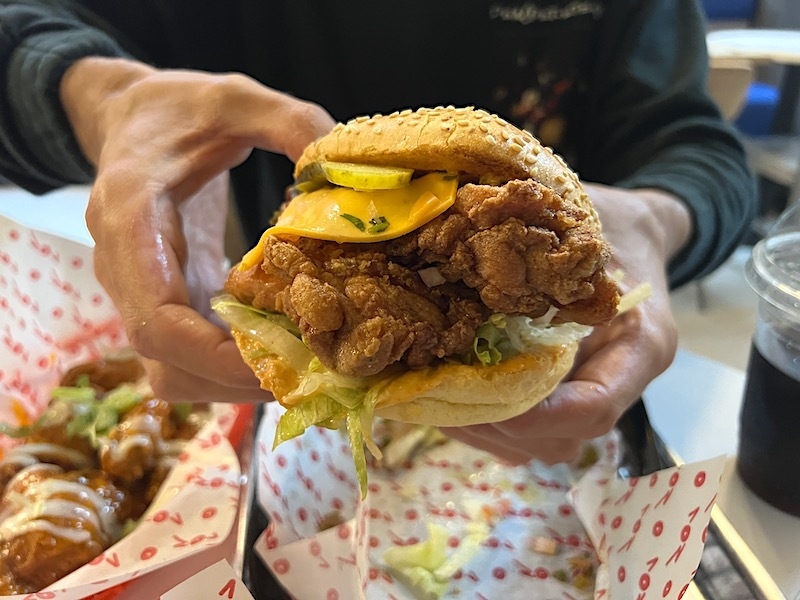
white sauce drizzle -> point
(142, 431)
(30, 510)
(28, 454)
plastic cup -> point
(768, 458)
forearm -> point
(38, 43)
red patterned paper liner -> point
(305, 480)
(54, 314)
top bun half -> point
(466, 140)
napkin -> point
(532, 531)
(216, 581)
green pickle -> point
(351, 175)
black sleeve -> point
(39, 40)
(655, 126)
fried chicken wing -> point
(53, 522)
(106, 374)
(51, 445)
(135, 445)
(58, 511)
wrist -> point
(674, 218)
(84, 90)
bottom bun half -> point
(448, 395)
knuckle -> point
(307, 111)
(211, 102)
(210, 106)
(307, 115)
(96, 214)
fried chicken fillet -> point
(517, 249)
(438, 299)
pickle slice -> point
(311, 178)
(366, 177)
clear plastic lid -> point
(773, 270)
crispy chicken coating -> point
(516, 249)
(52, 523)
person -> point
(147, 100)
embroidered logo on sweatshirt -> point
(532, 12)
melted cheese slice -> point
(329, 213)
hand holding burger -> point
(646, 227)
(438, 267)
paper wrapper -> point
(217, 581)
(642, 538)
(54, 314)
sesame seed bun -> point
(483, 147)
(465, 140)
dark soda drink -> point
(769, 438)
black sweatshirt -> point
(617, 86)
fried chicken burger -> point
(436, 266)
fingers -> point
(164, 138)
(548, 450)
(176, 385)
(621, 360)
(575, 409)
(138, 255)
(178, 335)
(272, 120)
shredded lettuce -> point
(85, 414)
(318, 409)
(356, 436)
(327, 399)
(427, 567)
(274, 331)
(503, 336)
(347, 391)
(95, 418)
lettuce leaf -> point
(356, 436)
(85, 414)
(318, 410)
(274, 331)
(327, 399)
(503, 336)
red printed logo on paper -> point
(112, 559)
(228, 589)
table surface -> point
(698, 420)
(767, 45)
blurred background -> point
(754, 48)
